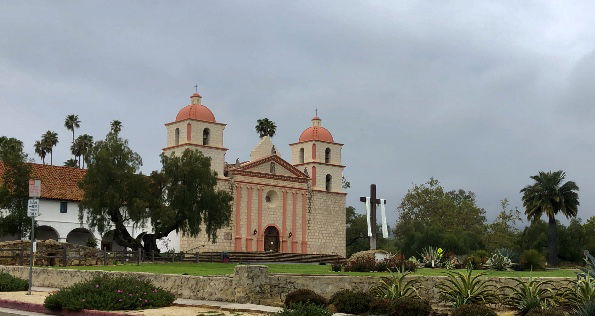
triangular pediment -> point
(263, 165)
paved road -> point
(14, 312)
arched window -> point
(206, 134)
(189, 132)
(301, 155)
(329, 182)
(272, 168)
(314, 176)
(177, 137)
(314, 152)
(327, 155)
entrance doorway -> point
(271, 239)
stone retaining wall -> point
(249, 283)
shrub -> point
(336, 267)
(532, 260)
(473, 310)
(546, 312)
(380, 306)
(472, 262)
(351, 302)
(460, 289)
(499, 262)
(304, 310)
(8, 283)
(304, 296)
(411, 306)
(364, 261)
(399, 263)
(109, 293)
(395, 286)
(528, 295)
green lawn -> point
(226, 268)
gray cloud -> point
(479, 96)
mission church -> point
(295, 206)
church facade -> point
(295, 206)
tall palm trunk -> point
(552, 240)
(51, 157)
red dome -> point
(195, 111)
(316, 132)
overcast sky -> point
(479, 96)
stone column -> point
(238, 219)
(260, 235)
(284, 223)
(294, 233)
(249, 232)
(304, 223)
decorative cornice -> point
(319, 163)
(319, 141)
(274, 158)
(174, 122)
(195, 145)
(263, 175)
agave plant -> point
(527, 295)
(431, 256)
(586, 310)
(460, 289)
(589, 269)
(580, 292)
(395, 286)
(499, 262)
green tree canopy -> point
(430, 216)
(14, 188)
(182, 196)
(186, 198)
(115, 193)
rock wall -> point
(249, 283)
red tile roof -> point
(57, 182)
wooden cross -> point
(373, 203)
(196, 88)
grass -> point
(227, 268)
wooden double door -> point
(271, 239)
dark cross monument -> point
(373, 203)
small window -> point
(177, 140)
(189, 132)
(206, 133)
(272, 167)
(301, 155)
(329, 182)
(327, 155)
(63, 207)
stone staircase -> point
(267, 257)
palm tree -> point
(116, 126)
(49, 140)
(71, 123)
(40, 150)
(548, 196)
(86, 145)
(81, 147)
(70, 163)
(77, 150)
(265, 127)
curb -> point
(38, 308)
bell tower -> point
(319, 154)
(195, 128)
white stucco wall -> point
(65, 223)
